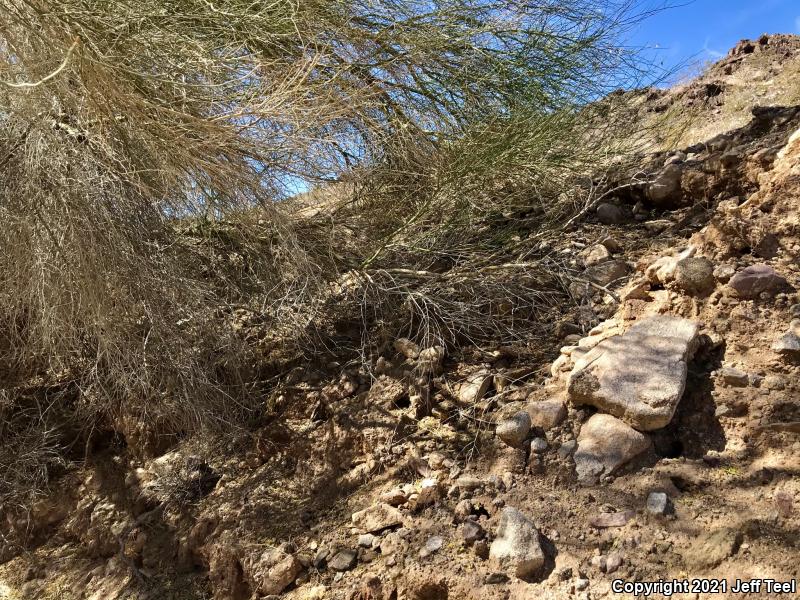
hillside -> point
(637, 419)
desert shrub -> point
(148, 148)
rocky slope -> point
(660, 441)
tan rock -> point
(517, 546)
(604, 445)
(638, 376)
(475, 387)
(377, 518)
(547, 413)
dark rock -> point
(320, 558)
(751, 281)
(609, 214)
(344, 560)
(767, 247)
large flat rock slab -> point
(638, 376)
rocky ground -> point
(659, 442)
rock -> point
(467, 483)
(547, 413)
(538, 445)
(613, 245)
(566, 328)
(767, 247)
(431, 359)
(495, 578)
(377, 518)
(639, 289)
(712, 547)
(610, 520)
(481, 549)
(392, 543)
(665, 189)
(471, 532)
(514, 431)
(662, 270)
(787, 345)
(427, 493)
(463, 509)
(407, 348)
(657, 226)
(475, 387)
(676, 157)
(751, 281)
(581, 584)
(723, 273)
(387, 392)
(613, 562)
(594, 254)
(320, 558)
(638, 376)
(434, 544)
(366, 540)
(394, 497)
(605, 444)
(695, 275)
(517, 547)
(609, 214)
(567, 449)
(275, 571)
(784, 503)
(608, 272)
(658, 503)
(599, 562)
(774, 382)
(343, 560)
(734, 377)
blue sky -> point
(703, 30)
